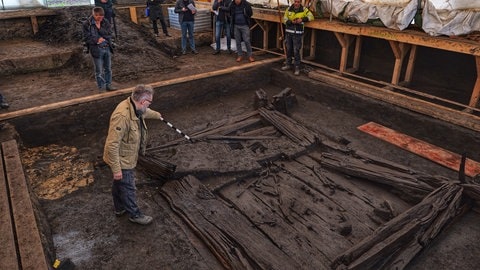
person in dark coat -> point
(107, 6)
(97, 35)
(222, 9)
(156, 13)
(241, 12)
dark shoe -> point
(251, 59)
(286, 67)
(240, 58)
(4, 105)
(110, 88)
(216, 52)
(142, 220)
(120, 213)
(297, 71)
(230, 51)
(194, 51)
(167, 34)
(184, 52)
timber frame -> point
(27, 13)
(403, 43)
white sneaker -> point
(297, 71)
(286, 67)
(143, 220)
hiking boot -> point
(251, 59)
(142, 220)
(216, 52)
(110, 87)
(230, 51)
(286, 67)
(297, 71)
(194, 51)
(240, 58)
(120, 213)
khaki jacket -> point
(126, 139)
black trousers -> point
(162, 22)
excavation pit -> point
(246, 193)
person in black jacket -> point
(107, 6)
(222, 9)
(156, 13)
(241, 12)
(97, 35)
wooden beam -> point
(476, 89)
(8, 252)
(133, 14)
(27, 234)
(429, 151)
(410, 65)
(34, 22)
(399, 51)
(127, 91)
(444, 113)
(345, 40)
(313, 44)
(358, 52)
(26, 13)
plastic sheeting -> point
(451, 17)
(394, 14)
(19, 4)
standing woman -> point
(156, 13)
(186, 11)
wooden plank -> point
(8, 252)
(28, 238)
(128, 91)
(431, 109)
(476, 89)
(230, 236)
(133, 14)
(26, 13)
(434, 153)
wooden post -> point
(476, 89)
(313, 43)
(34, 21)
(345, 40)
(410, 65)
(399, 49)
(358, 52)
(133, 14)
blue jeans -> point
(103, 68)
(242, 32)
(187, 26)
(124, 194)
(219, 26)
(293, 44)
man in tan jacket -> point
(127, 137)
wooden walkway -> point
(20, 239)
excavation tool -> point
(177, 130)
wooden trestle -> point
(403, 43)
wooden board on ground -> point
(28, 237)
(434, 153)
(8, 252)
(226, 232)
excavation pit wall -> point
(194, 103)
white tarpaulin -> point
(451, 17)
(394, 14)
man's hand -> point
(117, 176)
(100, 40)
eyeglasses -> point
(148, 100)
